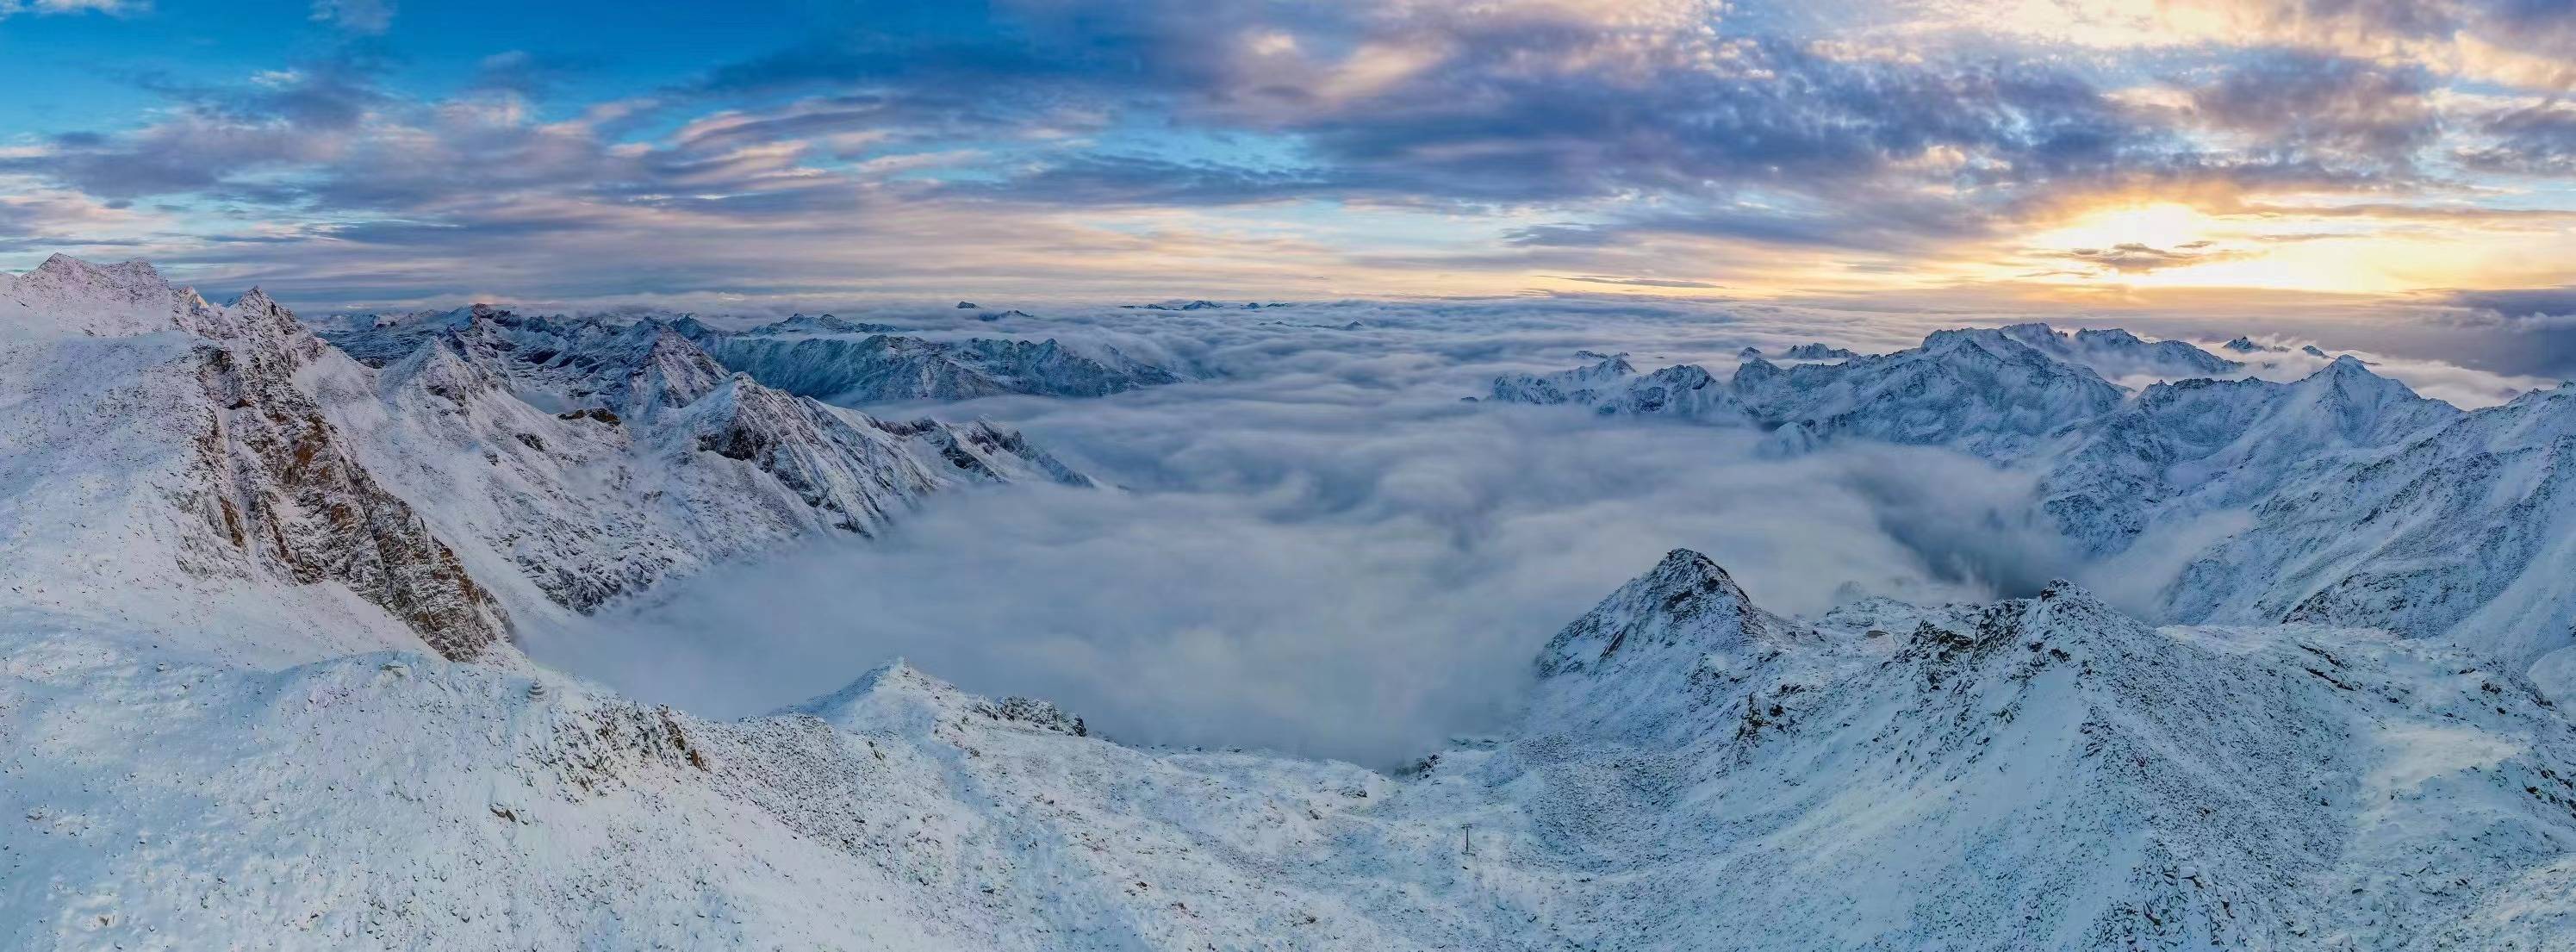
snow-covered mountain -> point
(1694, 773)
(1815, 351)
(826, 357)
(1989, 393)
(2466, 531)
(2116, 353)
(862, 366)
(257, 688)
(2370, 505)
(595, 459)
(497, 467)
(162, 467)
(2195, 446)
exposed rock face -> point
(284, 489)
(273, 483)
(1041, 714)
(2246, 345)
(1817, 352)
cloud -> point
(2136, 258)
(2531, 140)
(42, 7)
(2296, 103)
(1637, 282)
(366, 17)
(1323, 550)
(1437, 146)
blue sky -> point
(363, 153)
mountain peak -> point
(67, 296)
(1628, 667)
(131, 273)
(257, 302)
(892, 696)
(1687, 600)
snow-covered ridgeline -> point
(1695, 773)
(201, 747)
(195, 446)
(160, 466)
(2370, 505)
(827, 358)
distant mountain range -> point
(826, 357)
(2369, 505)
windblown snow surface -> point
(260, 683)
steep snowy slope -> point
(1694, 774)
(2181, 449)
(595, 459)
(159, 466)
(2468, 531)
(2115, 353)
(2047, 774)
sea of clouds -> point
(1320, 549)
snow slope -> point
(159, 468)
(1694, 774)
(2467, 531)
(255, 689)
(593, 460)
(2365, 504)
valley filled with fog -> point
(1316, 546)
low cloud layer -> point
(1325, 551)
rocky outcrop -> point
(272, 488)
(1817, 352)
(284, 490)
